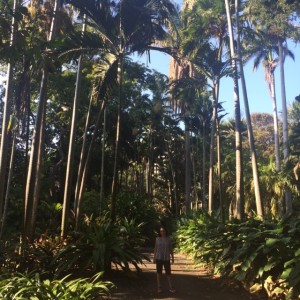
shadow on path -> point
(191, 284)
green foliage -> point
(28, 257)
(100, 244)
(139, 208)
(91, 202)
(260, 254)
(31, 287)
(194, 236)
(94, 249)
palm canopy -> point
(118, 29)
(129, 26)
(260, 47)
(207, 20)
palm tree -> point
(70, 161)
(265, 55)
(214, 70)
(184, 89)
(206, 57)
(122, 35)
(286, 152)
(5, 135)
(102, 162)
(35, 163)
(9, 180)
(276, 18)
(239, 203)
(259, 205)
(205, 117)
(270, 65)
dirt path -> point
(191, 284)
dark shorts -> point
(163, 263)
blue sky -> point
(258, 94)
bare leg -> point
(169, 281)
(158, 279)
(171, 288)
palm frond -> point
(106, 75)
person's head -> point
(163, 231)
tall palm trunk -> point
(212, 147)
(34, 169)
(288, 197)
(188, 170)
(114, 187)
(204, 204)
(149, 165)
(255, 172)
(275, 120)
(39, 165)
(5, 134)
(193, 163)
(69, 170)
(82, 156)
(84, 164)
(215, 93)
(222, 204)
(239, 201)
(258, 200)
(33, 176)
(10, 174)
(173, 179)
(102, 162)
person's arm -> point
(155, 249)
(171, 251)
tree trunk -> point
(288, 196)
(222, 204)
(212, 152)
(10, 174)
(275, 121)
(34, 169)
(187, 169)
(39, 166)
(84, 163)
(114, 187)
(33, 176)
(193, 163)
(239, 201)
(258, 200)
(102, 162)
(204, 203)
(82, 154)
(173, 179)
(70, 161)
(215, 93)
(8, 103)
(149, 165)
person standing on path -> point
(163, 252)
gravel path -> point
(191, 284)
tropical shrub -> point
(194, 237)
(27, 257)
(94, 249)
(31, 287)
(100, 244)
(262, 255)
